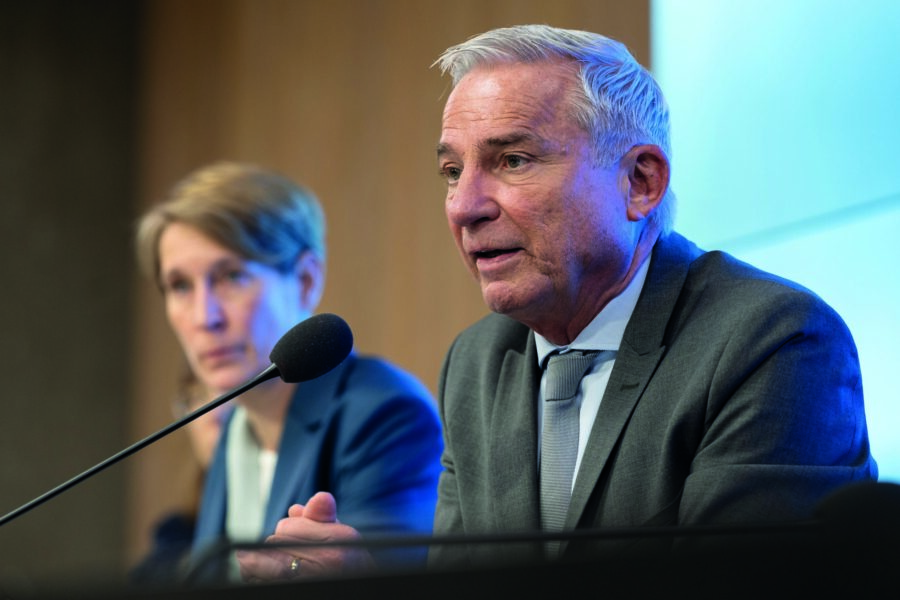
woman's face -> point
(226, 311)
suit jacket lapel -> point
(513, 481)
(211, 517)
(298, 451)
(640, 352)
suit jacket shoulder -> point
(367, 432)
(735, 397)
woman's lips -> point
(221, 354)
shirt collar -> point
(605, 331)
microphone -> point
(311, 348)
(308, 350)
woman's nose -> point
(208, 312)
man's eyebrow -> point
(443, 149)
(495, 142)
(510, 139)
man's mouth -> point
(492, 253)
(494, 257)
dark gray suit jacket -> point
(735, 398)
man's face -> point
(544, 231)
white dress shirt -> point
(603, 333)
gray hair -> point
(260, 215)
(619, 103)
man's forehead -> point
(520, 115)
(510, 92)
(511, 82)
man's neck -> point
(563, 326)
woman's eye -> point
(234, 276)
(177, 286)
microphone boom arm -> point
(270, 372)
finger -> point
(295, 510)
(264, 565)
(322, 508)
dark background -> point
(67, 164)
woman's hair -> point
(619, 103)
(256, 213)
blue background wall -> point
(786, 118)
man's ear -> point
(647, 169)
(310, 272)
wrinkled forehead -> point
(545, 79)
(511, 96)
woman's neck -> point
(267, 406)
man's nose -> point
(472, 199)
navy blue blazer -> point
(368, 433)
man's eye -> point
(451, 174)
(514, 161)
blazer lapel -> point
(641, 350)
(299, 450)
(513, 481)
(211, 516)
(630, 375)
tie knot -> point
(564, 373)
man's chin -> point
(500, 301)
(519, 301)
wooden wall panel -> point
(66, 186)
(339, 95)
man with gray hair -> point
(700, 390)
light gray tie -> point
(559, 437)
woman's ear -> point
(647, 169)
(310, 272)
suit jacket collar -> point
(512, 453)
(513, 443)
(309, 407)
(642, 348)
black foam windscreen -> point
(312, 347)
